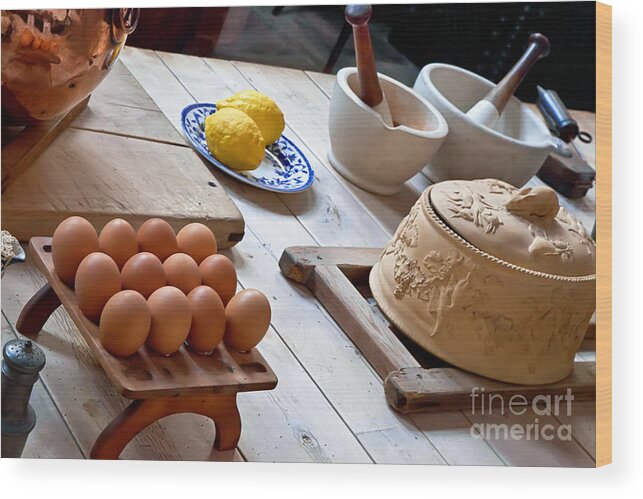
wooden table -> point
(329, 405)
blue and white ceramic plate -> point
(284, 169)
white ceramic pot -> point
(371, 154)
(513, 150)
(495, 280)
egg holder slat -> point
(414, 380)
(184, 382)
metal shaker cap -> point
(24, 356)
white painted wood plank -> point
(486, 455)
(583, 423)
(82, 392)
(582, 419)
(489, 455)
(88, 401)
(326, 210)
(223, 78)
(292, 316)
(51, 437)
(307, 114)
(538, 450)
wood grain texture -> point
(135, 179)
(147, 374)
(342, 222)
(348, 422)
(307, 114)
(277, 426)
(121, 106)
(51, 437)
(299, 262)
(409, 388)
(84, 395)
(22, 150)
(119, 160)
(418, 389)
(471, 449)
(328, 212)
(373, 338)
(268, 233)
(221, 408)
(531, 452)
(604, 234)
(583, 424)
(37, 311)
(276, 226)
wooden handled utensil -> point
(370, 90)
(488, 110)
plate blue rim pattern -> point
(288, 154)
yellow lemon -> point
(234, 139)
(260, 108)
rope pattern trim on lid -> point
(444, 226)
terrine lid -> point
(526, 227)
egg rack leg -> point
(221, 408)
(37, 310)
(227, 423)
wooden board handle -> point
(416, 389)
(538, 48)
(370, 90)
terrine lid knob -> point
(534, 203)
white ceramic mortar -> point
(371, 154)
(513, 150)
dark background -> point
(486, 38)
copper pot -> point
(53, 59)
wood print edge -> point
(604, 234)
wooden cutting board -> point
(119, 158)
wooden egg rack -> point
(159, 386)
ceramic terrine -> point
(494, 280)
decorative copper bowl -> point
(53, 59)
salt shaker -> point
(21, 363)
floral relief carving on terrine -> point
(453, 288)
(470, 205)
(440, 280)
(529, 203)
(496, 280)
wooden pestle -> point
(488, 110)
(370, 90)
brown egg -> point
(157, 237)
(97, 280)
(217, 271)
(247, 320)
(143, 273)
(125, 323)
(171, 319)
(73, 240)
(118, 240)
(197, 240)
(208, 319)
(181, 271)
